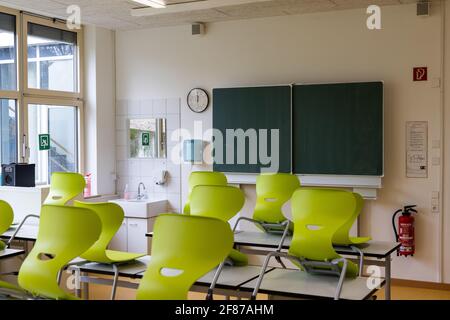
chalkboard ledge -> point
(365, 185)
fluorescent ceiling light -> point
(157, 4)
(188, 6)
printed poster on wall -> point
(417, 149)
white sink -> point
(145, 208)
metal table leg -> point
(85, 288)
(77, 274)
(387, 272)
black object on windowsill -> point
(18, 175)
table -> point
(236, 281)
(231, 278)
(28, 232)
(287, 283)
(379, 252)
(9, 253)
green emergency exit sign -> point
(146, 139)
(44, 142)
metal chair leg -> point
(263, 271)
(210, 295)
(337, 294)
(361, 259)
(280, 246)
(114, 285)
(8, 244)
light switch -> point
(436, 144)
(436, 82)
(436, 161)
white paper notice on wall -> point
(417, 149)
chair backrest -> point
(272, 192)
(220, 202)
(342, 235)
(317, 215)
(184, 249)
(111, 215)
(64, 186)
(64, 234)
(6, 219)
(205, 178)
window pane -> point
(61, 123)
(51, 58)
(8, 131)
(8, 69)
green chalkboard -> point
(259, 108)
(338, 129)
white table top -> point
(299, 284)
(28, 232)
(230, 277)
(377, 249)
(9, 253)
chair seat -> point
(360, 240)
(120, 256)
(238, 258)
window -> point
(8, 131)
(47, 100)
(61, 124)
(8, 52)
(51, 58)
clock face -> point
(198, 100)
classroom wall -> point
(99, 108)
(446, 226)
(323, 47)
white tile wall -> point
(134, 171)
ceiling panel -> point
(116, 14)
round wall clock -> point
(198, 100)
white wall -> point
(324, 47)
(100, 107)
(131, 172)
(446, 227)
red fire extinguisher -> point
(88, 188)
(405, 234)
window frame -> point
(60, 102)
(16, 94)
(23, 95)
(78, 94)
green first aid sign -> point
(146, 139)
(44, 142)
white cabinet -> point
(131, 236)
(120, 241)
(137, 229)
(139, 219)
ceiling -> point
(116, 14)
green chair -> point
(6, 219)
(220, 202)
(318, 214)
(184, 249)
(272, 193)
(64, 234)
(342, 236)
(64, 186)
(111, 216)
(205, 178)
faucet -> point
(141, 195)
